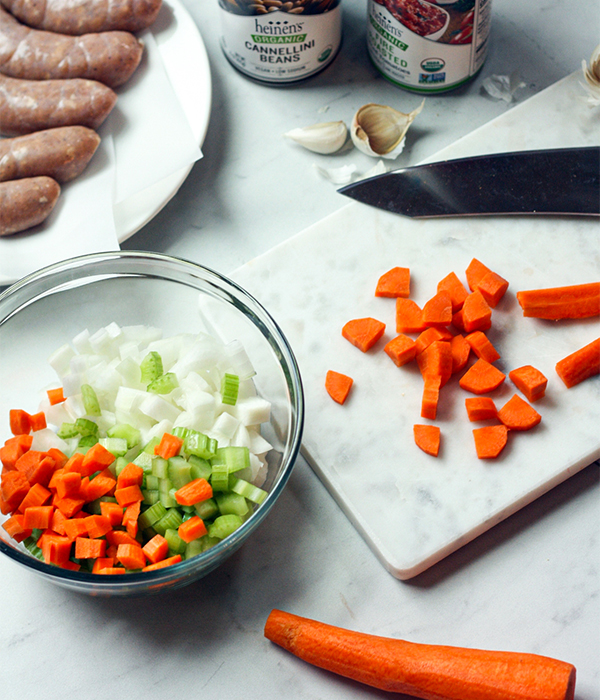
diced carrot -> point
(102, 563)
(580, 365)
(481, 378)
(156, 549)
(475, 272)
(55, 396)
(14, 487)
(86, 548)
(492, 287)
(409, 316)
(37, 466)
(131, 556)
(169, 446)
(169, 561)
(429, 335)
(15, 528)
(117, 537)
(529, 381)
(517, 414)
(436, 360)
(557, 303)
(101, 485)
(56, 549)
(130, 518)
(110, 570)
(130, 475)
(394, 283)
(38, 421)
(431, 396)
(67, 484)
(438, 310)
(113, 511)
(192, 529)
(74, 528)
(69, 505)
(58, 522)
(37, 517)
(476, 313)
(37, 495)
(19, 421)
(193, 492)
(490, 440)
(338, 385)
(59, 457)
(457, 320)
(428, 438)
(482, 347)
(363, 333)
(455, 289)
(128, 495)
(97, 525)
(75, 463)
(460, 352)
(96, 459)
(401, 350)
(13, 449)
(480, 408)
(111, 549)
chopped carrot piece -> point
(475, 272)
(97, 525)
(60, 458)
(38, 421)
(517, 414)
(37, 495)
(69, 505)
(482, 347)
(75, 463)
(476, 313)
(37, 517)
(529, 381)
(394, 283)
(580, 365)
(363, 333)
(481, 408)
(130, 518)
(102, 484)
(429, 335)
(156, 549)
(117, 537)
(492, 287)
(427, 438)
(128, 495)
(438, 310)
(456, 290)
(436, 360)
(490, 440)
(130, 475)
(431, 396)
(481, 378)
(110, 570)
(58, 522)
(56, 549)
(169, 561)
(37, 466)
(556, 303)
(338, 385)
(409, 316)
(192, 529)
(457, 320)
(401, 350)
(14, 488)
(131, 556)
(113, 511)
(55, 396)
(193, 492)
(74, 528)
(96, 459)
(15, 528)
(67, 484)
(86, 548)
(19, 421)
(103, 563)
(13, 449)
(169, 446)
(460, 350)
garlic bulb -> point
(378, 130)
(324, 138)
(591, 74)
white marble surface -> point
(530, 583)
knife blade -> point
(562, 181)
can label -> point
(280, 42)
(428, 46)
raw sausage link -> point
(61, 153)
(83, 16)
(110, 57)
(26, 203)
(33, 105)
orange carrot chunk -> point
(96, 459)
(14, 448)
(426, 671)
(37, 495)
(556, 303)
(476, 313)
(19, 421)
(580, 365)
(481, 378)
(482, 347)
(429, 335)
(529, 381)
(131, 556)
(490, 440)
(401, 350)
(480, 408)
(431, 396)
(130, 475)
(193, 492)
(492, 287)
(192, 529)
(363, 333)
(475, 272)
(156, 549)
(13, 488)
(438, 310)
(427, 438)
(409, 316)
(38, 421)
(169, 446)
(37, 517)
(517, 414)
(436, 360)
(169, 561)
(338, 385)
(456, 290)
(460, 350)
(394, 283)
(55, 396)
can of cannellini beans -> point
(278, 41)
(428, 46)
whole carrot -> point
(426, 671)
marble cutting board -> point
(413, 509)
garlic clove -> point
(338, 176)
(591, 75)
(379, 130)
(324, 138)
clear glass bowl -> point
(48, 308)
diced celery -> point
(200, 468)
(151, 496)
(206, 509)
(208, 542)
(200, 445)
(91, 404)
(180, 432)
(163, 384)
(118, 446)
(151, 480)
(231, 503)
(31, 546)
(151, 515)
(219, 479)
(165, 485)
(87, 441)
(127, 432)
(224, 525)
(179, 472)
(236, 458)
(120, 463)
(170, 520)
(150, 445)
(230, 385)
(167, 500)
(160, 467)
(144, 460)
(151, 367)
(86, 427)
(249, 491)
(67, 431)
(193, 548)
(176, 544)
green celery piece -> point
(67, 431)
(151, 481)
(149, 446)
(170, 520)
(126, 432)
(236, 458)
(200, 445)
(120, 464)
(163, 384)
(224, 525)
(200, 468)
(118, 446)
(151, 367)
(207, 509)
(31, 546)
(86, 427)
(249, 491)
(151, 496)
(230, 385)
(144, 460)
(193, 548)
(208, 542)
(180, 432)
(167, 500)
(91, 405)
(231, 503)
(87, 441)
(176, 544)
(219, 479)
(179, 472)
(160, 467)
(152, 515)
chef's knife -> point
(556, 181)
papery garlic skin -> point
(325, 138)
(591, 75)
(379, 130)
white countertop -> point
(529, 584)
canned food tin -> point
(428, 46)
(280, 42)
